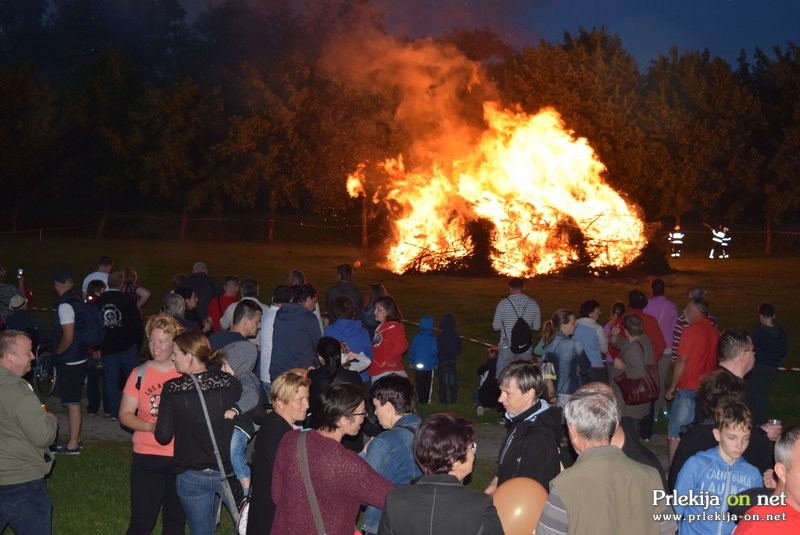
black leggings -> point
(153, 487)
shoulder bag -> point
(226, 487)
(641, 390)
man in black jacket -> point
(534, 427)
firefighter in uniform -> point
(676, 241)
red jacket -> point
(388, 346)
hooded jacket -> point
(448, 342)
(708, 472)
(353, 333)
(294, 339)
(531, 445)
(423, 354)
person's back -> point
(294, 338)
(423, 358)
(572, 365)
(626, 487)
(448, 348)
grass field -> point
(90, 493)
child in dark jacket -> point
(488, 391)
(448, 344)
(422, 357)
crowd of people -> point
(223, 370)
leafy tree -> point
(102, 139)
(776, 82)
(699, 124)
(179, 126)
(29, 136)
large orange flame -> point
(533, 179)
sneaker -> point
(479, 409)
(62, 449)
(113, 418)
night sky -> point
(647, 27)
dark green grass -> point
(90, 493)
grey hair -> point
(785, 444)
(594, 416)
(175, 305)
(633, 324)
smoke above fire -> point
(535, 188)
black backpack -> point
(521, 334)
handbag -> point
(642, 390)
(226, 487)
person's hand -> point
(669, 394)
(96, 355)
(773, 431)
(769, 479)
(230, 414)
(208, 323)
(491, 487)
(618, 364)
(615, 330)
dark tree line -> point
(127, 104)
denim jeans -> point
(682, 412)
(123, 362)
(238, 450)
(153, 490)
(197, 491)
(27, 507)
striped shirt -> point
(505, 315)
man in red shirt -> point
(697, 355)
(218, 305)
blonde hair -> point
(165, 322)
(287, 384)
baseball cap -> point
(17, 302)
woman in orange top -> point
(152, 470)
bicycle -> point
(43, 376)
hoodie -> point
(295, 334)
(531, 445)
(708, 472)
(448, 343)
(423, 354)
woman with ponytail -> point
(567, 355)
(181, 416)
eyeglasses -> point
(360, 414)
(474, 448)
